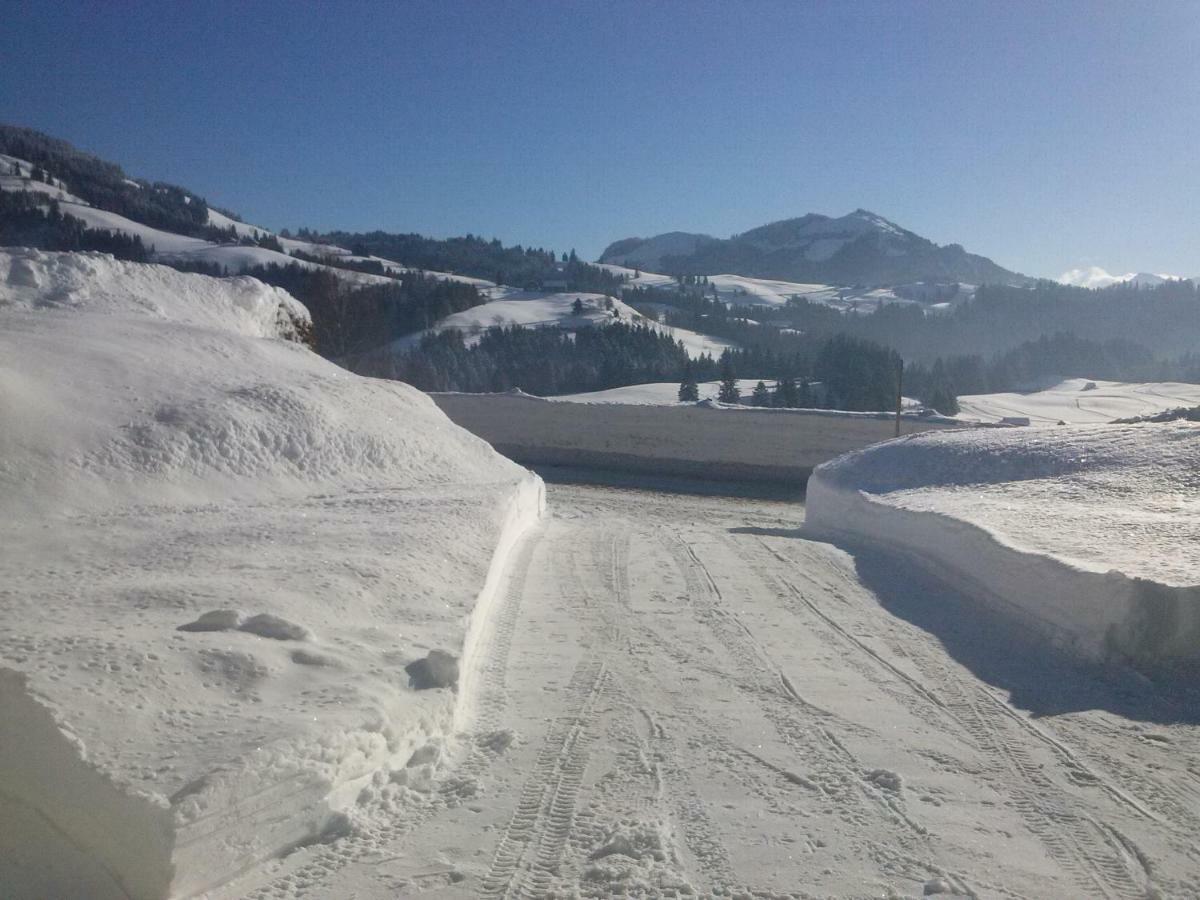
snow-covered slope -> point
(536, 309)
(650, 252)
(1077, 401)
(234, 257)
(16, 175)
(1086, 534)
(218, 553)
(739, 290)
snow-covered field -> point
(666, 393)
(1079, 401)
(661, 393)
(1085, 533)
(218, 555)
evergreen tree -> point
(786, 395)
(689, 390)
(577, 307)
(729, 392)
(761, 396)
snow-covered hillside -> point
(739, 290)
(538, 309)
(1086, 534)
(1077, 401)
(232, 257)
(218, 555)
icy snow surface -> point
(1090, 530)
(218, 552)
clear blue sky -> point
(1047, 135)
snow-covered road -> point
(683, 695)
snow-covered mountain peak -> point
(1096, 277)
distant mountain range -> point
(1096, 277)
(859, 248)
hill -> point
(858, 248)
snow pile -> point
(1078, 401)
(219, 554)
(1086, 534)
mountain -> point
(1096, 277)
(858, 248)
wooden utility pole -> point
(899, 394)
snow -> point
(1085, 533)
(25, 182)
(740, 290)
(234, 257)
(685, 696)
(702, 440)
(651, 251)
(220, 220)
(219, 552)
(1096, 277)
(539, 309)
(1077, 401)
(666, 393)
(663, 393)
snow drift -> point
(219, 554)
(1086, 534)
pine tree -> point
(786, 395)
(577, 307)
(729, 392)
(761, 396)
(804, 398)
(689, 390)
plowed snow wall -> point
(689, 441)
(1097, 615)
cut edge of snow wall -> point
(1104, 616)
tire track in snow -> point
(688, 811)
(1085, 848)
(527, 857)
(838, 774)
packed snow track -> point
(684, 695)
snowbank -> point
(218, 553)
(1086, 534)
